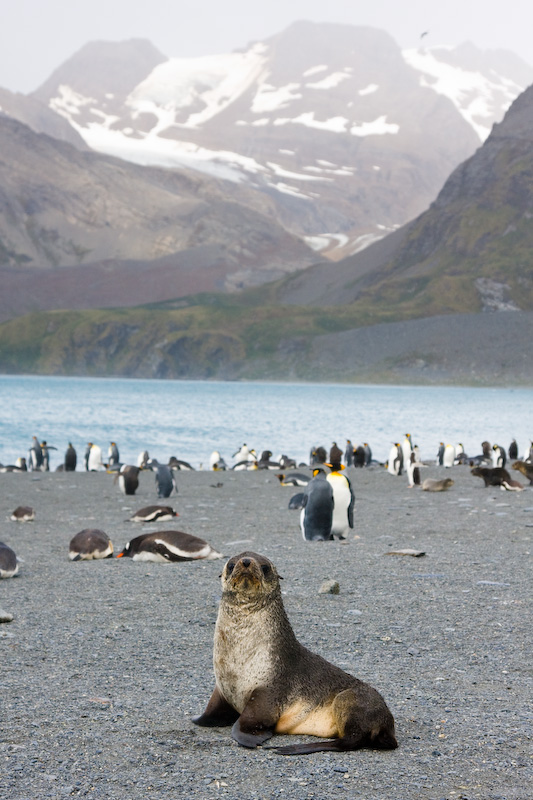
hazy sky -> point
(36, 36)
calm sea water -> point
(190, 419)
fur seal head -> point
(249, 578)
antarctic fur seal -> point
(526, 470)
(496, 476)
(267, 682)
(434, 485)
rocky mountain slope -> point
(79, 229)
(346, 136)
(472, 250)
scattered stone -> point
(5, 616)
(407, 551)
(329, 587)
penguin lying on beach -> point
(154, 514)
(89, 544)
(167, 546)
(23, 514)
(293, 479)
(8, 562)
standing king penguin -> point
(316, 517)
(343, 497)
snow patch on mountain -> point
(331, 81)
(270, 98)
(472, 93)
(210, 83)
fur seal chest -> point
(267, 682)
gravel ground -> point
(105, 662)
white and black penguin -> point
(407, 449)
(348, 453)
(499, 456)
(440, 454)
(18, 466)
(513, 450)
(168, 546)
(413, 471)
(316, 517)
(35, 455)
(113, 456)
(395, 461)
(143, 458)
(293, 479)
(216, 462)
(178, 464)
(71, 458)
(23, 514)
(359, 456)
(94, 459)
(8, 561)
(448, 458)
(368, 454)
(154, 514)
(164, 478)
(343, 502)
(128, 478)
(45, 450)
(90, 544)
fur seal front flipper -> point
(218, 712)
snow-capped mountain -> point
(342, 136)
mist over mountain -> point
(346, 135)
(79, 230)
(472, 250)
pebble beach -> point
(105, 662)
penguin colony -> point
(326, 502)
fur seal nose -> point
(246, 562)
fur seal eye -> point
(265, 568)
(230, 566)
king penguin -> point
(499, 456)
(343, 497)
(316, 517)
(449, 456)
(413, 471)
(395, 462)
(70, 459)
(407, 449)
(113, 457)
(94, 459)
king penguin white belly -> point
(343, 503)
